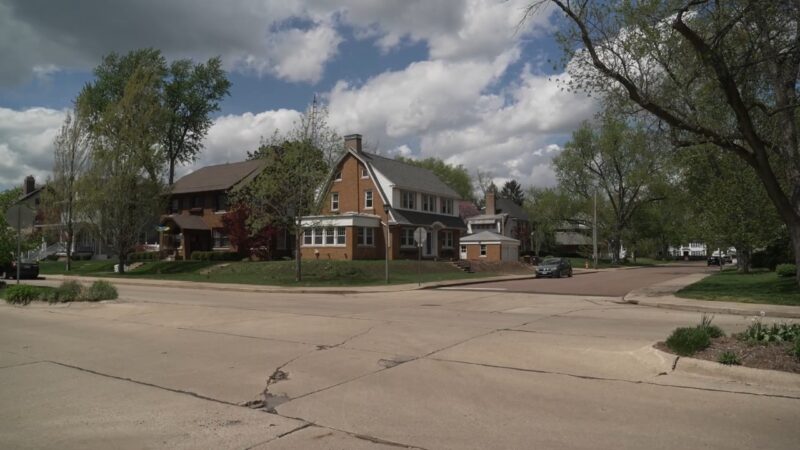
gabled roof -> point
(187, 222)
(220, 177)
(406, 217)
(507, 206)
(489, 236)
(404, 175)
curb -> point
(772, 379)
(661, 295)
(268, 289)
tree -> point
(740, 217)
(456, 177)
(513, 191)
(191, 93)
(718, 73)
(286, 190)
(61, 201)
(485, 183)
(123, 187)
(313, 129)
(548, 208)
(8, 235)
(623, 162)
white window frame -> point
(325, 237)
(447, 206)
(447, 239)
(484, 250)
(408, 195)
(364, 172)
(337, 176)
(369, 199)
(334, 201)
(366, 237)
(407, 238)
(427, 203)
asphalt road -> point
(606, 283)
(177, 368)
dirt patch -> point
(772, 356)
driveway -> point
(605, 283)
(186, 368)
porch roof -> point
(406, 217)
(187, 222)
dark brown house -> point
(196, 206)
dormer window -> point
(337, 176)
(428, 203)
(407, 200)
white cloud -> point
(26, 143)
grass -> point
(281, 273)
(757, 287)
(579, 263)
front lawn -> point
(579, 263)
(281, 273)
(758, 287)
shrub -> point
(777, 332)
(143, 256)
(100, 290)
(215, 256)
(21, 294)
(69, 291)
(687, 341)
(52, 257)
(786, 270)
(796, 349)
(49, 296)
(729, 358)
(713, 331)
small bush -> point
(713, 331)
(49, 296)
(786, 270)
(729, 358)
(69, 291)
(757, 332)
(100, 290)
(796, 349)
(215, 256)
(687, 341)
(21, 294)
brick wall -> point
(351, 189)
(493, 252)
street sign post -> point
(420, 236)
(19, 216)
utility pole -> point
(594, 230)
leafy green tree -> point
(731, 207)
(726, 74)
(122, 188)
(8, 236)
(456, 177)
(513, 191)
(549, 208)
(286, 190)
(192, 92)
(623, 162)
(61, 202)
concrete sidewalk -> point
(236, 287)
(662, 295)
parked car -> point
(554, 267)
(715, 261)
(27, 269)
(727, 259)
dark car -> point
(554, 267)
(715, 261)
(27, 269)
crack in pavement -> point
(618, 380)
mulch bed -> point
(772, 356)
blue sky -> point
(452, 79)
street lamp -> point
(386, 240)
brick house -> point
(504, 217)
(197, 204)
(368, 196)
(489, 246)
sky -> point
(461, 80)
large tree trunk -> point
(743, 258)
(794, 232)
(69, 248)
(171, 171)
(616, 245)
(121, 261)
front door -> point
(429, 247)
(463, 251)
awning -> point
(187, 222)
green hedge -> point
(144, 256)
(21, 294)
(215, 256)
(68, 291)
(786, 270)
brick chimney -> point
(490, 203)
(353, 142)
(29, 185)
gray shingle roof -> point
(187, 222)
(404, 217)
(217, 178)
(404, 175)
(484, 236)
(506, 205)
